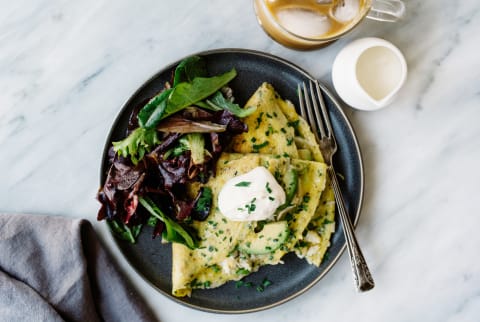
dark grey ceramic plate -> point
(152, 260)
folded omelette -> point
(282, 142)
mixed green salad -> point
(173, 139)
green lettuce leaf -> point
(137, 144)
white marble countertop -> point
(66, 67)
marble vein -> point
(67, 67)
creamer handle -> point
(386, 10)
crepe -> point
(217, 260)
(275, 113)
(279, 140)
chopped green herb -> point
(260, 225)
(215, 268)
(152, 221)
(267, 186)
(266, 283)
(303, 206)
(301, 243)
(277, 175)
(243, 184)
(326, 221)
(269, 130)
(326, 256)
(293, 124)
(251, 206)
(193, 283)
(257, 147)
(259, 120)
(306, 198)
(242, 271)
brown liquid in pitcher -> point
(315, 19)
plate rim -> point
(325, 90)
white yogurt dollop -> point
(252, 196)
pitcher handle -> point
(386, 10)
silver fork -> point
(319, 120)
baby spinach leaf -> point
(217, 101)
(182, 95)
(124, 232)
(205, 105)
(188, 69)
(151, 113)
(188, 93)
(173, 232)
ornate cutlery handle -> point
(361, 273)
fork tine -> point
(323, 109)
(309, 114)
(301, 100)
(318, 117)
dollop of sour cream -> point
(252, 196)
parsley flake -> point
(243, 184)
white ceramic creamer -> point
(368, 73)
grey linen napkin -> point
(55, 269)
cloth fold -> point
(55, 269)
